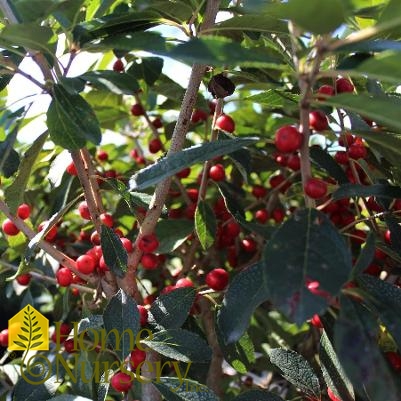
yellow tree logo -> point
(28, 330)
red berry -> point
(315, 188)
(86, 264)
(318, 120)
(64, 276)
(95, 238)
(143, 315)
(9, 227)
(217, 279)
(84, 210)
(217, 172)
(225, 123)
(316, 322)
(346, 140)
(121, 382)
(24, 279)
(157, 123)
(294, 162)
(258, 191)
(331, 395)
(288, 139)
(107, 219)
(51, 233)
(149, 261)
(249, 245)
(193, 194)
(24, 211)
(71, 169)
(344, 85)
(198, 115)
(69, 346)
(137, 110)
(102, 265)
(65, 329)
(118, 65)
(278, 215)
(341, 157)
(357, 151)
(262, 215)
(137, 357)
(231, 228)
(184, 173)
(148, 243)
(326, 90)
(4, 338)
(184, 282)
(394, 358)
(102, 155)
(127, 244)
(155, 145)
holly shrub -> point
(235, 238)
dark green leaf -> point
(205, 224)
(326, 162)
(356, 331)
(114, 253)
(220, 51)
(174, 389)
(180, 345)
(365, 257)
(169, 311)
(258, 395)
(116, 82)
(9, 56)
(9, 159)
(383, 110)
(172, 233)
(121, 321)
(71, 120)
(28, 35)
(15, 192)
(176, 162)
(386, 299)
(296, 370)
(331, 14)
(346, 191)
(69, 397)
(371, 46)
(333, 373)
(149, 69)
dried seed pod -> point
(220, 86)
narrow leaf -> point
(114, 253)
(116, 82)
(380, 190)
(176, 162)
(172, 233)
(205, 224)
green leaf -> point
(273, 99)
(296, 370)
(386, 300)
(176, 162)
(240, 355)
(258, 395)
(333, 373)
(365, 257)
(174, 389)
(384, 110)
(346, 191)
(9, 159)
(15, 59)
(114, 253)
(356, 331)
(15, 192)
(149, 69)
(169, 311)
(180, 345)
(331, 14)
(116, 82)
(172, 233)
(71, 120)
(28, 35)
(121, 321)
(205, 224)
(220, 51)
(326, 162)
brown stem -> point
(215, 373)
(177, 143)
(148, 371)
